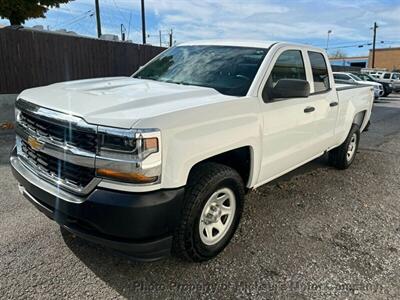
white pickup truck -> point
(160, 162)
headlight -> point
(132, 156)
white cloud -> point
(295, 20)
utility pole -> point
(170, 38)
(373, 45)
(98, 18)
(143, 24)
(123, 31)
(159, 32)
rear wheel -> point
(343, 156)
(212, 210)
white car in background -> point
(391, 77)
(351, 78)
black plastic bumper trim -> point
(138, 224)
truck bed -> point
(356, 98)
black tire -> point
(338, 157)
(204, 180)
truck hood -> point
(120, 101)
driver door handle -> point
(309, 109)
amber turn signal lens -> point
(126, 177)
(150, 143)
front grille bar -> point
(62, 151)
(53, 179)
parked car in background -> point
(350, 78)
(160, 161)
(391, 77)
(387, 86)
(373, 71)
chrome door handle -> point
(309, 109)
(332, 104)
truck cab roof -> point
(245, 43)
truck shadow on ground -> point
(129, 277)
(7, 141)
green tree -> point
(18, 11)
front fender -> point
(191, 136)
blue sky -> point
(304, 21)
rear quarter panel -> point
(352, 100)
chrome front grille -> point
(57, 147)
(71, 174)
(59, 132)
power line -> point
(120, 12)
(83, 29)
(129, 25)
(342, 43)
(365, 44)
(75, 19)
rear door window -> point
(319, 72)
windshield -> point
(355, 77)
(229, 70)
(364, 77)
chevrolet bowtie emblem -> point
(35, 144)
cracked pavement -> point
(314, 233)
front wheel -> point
(343, 156)
(211, 214)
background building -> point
(387, 58)
(356, 61)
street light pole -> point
(327, 40)
(143, 24)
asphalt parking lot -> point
(315, 233)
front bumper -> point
(138, 224)
(378, 93)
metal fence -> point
(345, 69)
(30, 58)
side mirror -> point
(291, 88)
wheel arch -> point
(240, 159)
(360, 119)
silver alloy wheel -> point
(351, 150)
(217, 216)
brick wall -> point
(388, 58)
